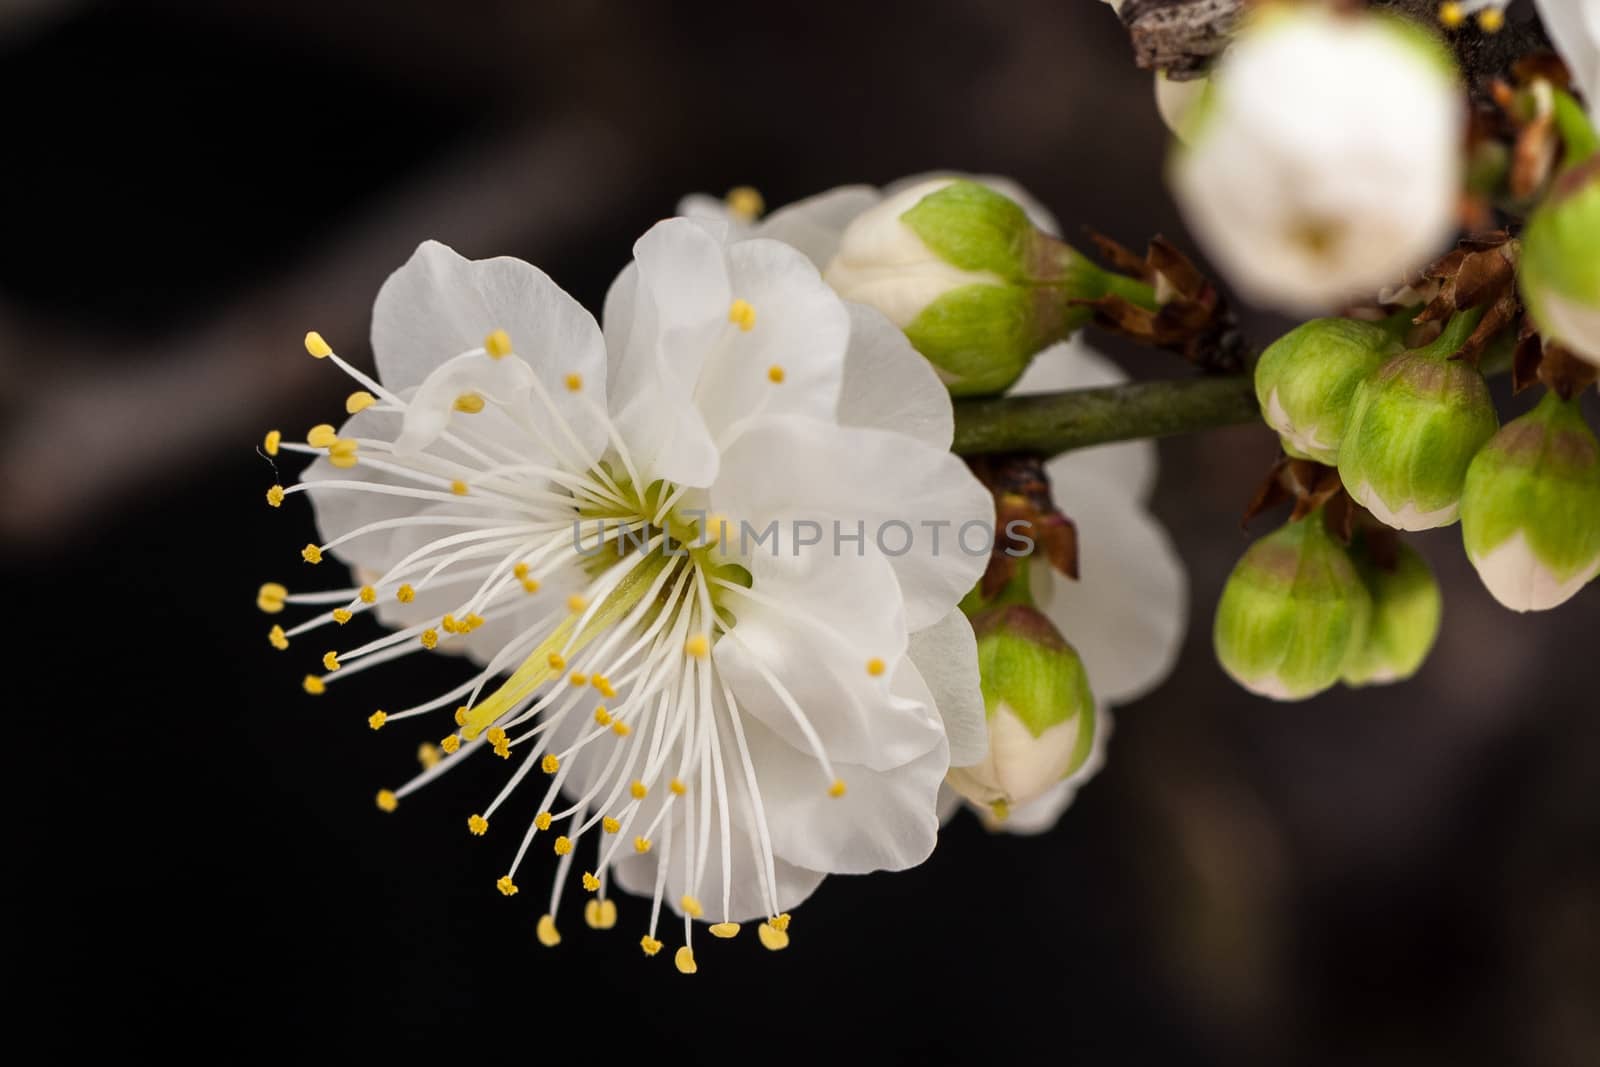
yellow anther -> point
(641, 845)
(691, 907)
(506, 886)
(684, 960)
(602, 683)
(405, 594)
(677, 787)
(478, 825)
(316, 346)
(555, 661)
(650, 945)
(279, 639)
(502, 749)
(368, 595)
(542, 820)
(520, 570)
(494, 735)
(497, 344)
(836, 790)
(314, 685)
(449, 625)
(576, 603)
(311, 554)
(360, 400)
(429, 639)
(469, 403)
(275, 496)
(610, 825)
(621, 729)
(698, 646)
(321, 435)
(270, 597)
(461, 715)
(1000, 810)
(602, 716)
(428, 755)
(574, 382)
(270, 443)
(342, 615)
(724, 930)
(471, 623)
(343, 453)
(377, 719)
(744, 203)
(451, 744)
(590, 882)
(772, 938)
(639, 790)
(551, 763)
(781, 922)
(529, 585)
(876, 667)
(578, 679)
(742, 315)
(387, 801)
(1451, 15)
(1492, 20)
(563, 845)
(330, 661)
(600, 914)
(548, 936)
(459, 487)
(775, 374)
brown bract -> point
(1021, 491)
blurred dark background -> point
(1400, 876)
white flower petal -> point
(1042, 814)
(1127, 468)
(1127, 614)
(813, 624)
(888, 385)
(637, 874)
(945, 656)
(1574, 26)
(441, 304)
(785, 469)
(886, 820)
(815, 224)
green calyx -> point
(1305, 381)
(982, 336)
(1415, 424)
(1539, 477)
(1293, 613)
(1406, 613)
(1026, 664)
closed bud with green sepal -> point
(1406, 612)
(1560, 276)
(1530, 515)
(1293, 614)
(1306, 379)
(977, 288)
(1041, 712)
(1415, 424)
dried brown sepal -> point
(1527, 357)
(1306, 482)
(1502, 313)
(1564, 373)
(1022, 496)
(1533, 156)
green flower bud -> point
(977, 288)
(1530, 515)
(1560, 271)
(1415, 424)
(1306, 379)
(1406, 611)
(1293, 613)
(1041, 712)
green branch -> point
(1060, 422)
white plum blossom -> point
(1325, 162)
(709, 721)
